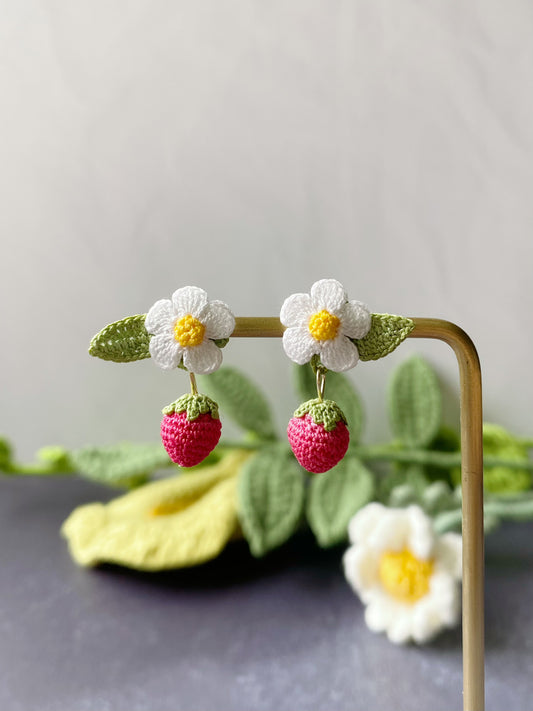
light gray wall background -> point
(251, 148)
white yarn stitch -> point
(215, 317)
(338, 353)
(376, 530)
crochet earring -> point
(320, 329)
(188, 331)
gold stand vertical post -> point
(472, 486)
(472, 491)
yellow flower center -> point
(188, 331)
(323, 326)
(404, 576)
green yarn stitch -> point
(325, 412)
(6, 454)
(125, 464)
(415, 403)
(335, 496)
(242, 400)
(123, 341)
(496, 510)
(270, 498)
(513, 473)
(194, 405)
(497, 441)
(411, 475)
(385, 335)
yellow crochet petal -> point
(178, 522)
(177, 490)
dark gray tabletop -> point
(284, 632)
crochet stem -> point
(443, 460)
(33, 470)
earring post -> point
(471, 479)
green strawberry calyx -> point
(323, 412)
(194, 406)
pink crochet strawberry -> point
(318, 435)
(190, 429)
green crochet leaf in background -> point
(385, 335)
(496, 510)
(338, 388)
(415, 403)
(411, 474)
(6, 455)
(334, 497)
(241, 399)
(498, 442)
(122, 341)
(125, 464)
(270, 498)
(446, 440)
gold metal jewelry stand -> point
(472, 486)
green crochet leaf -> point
(439, 497)
(123, 465)
(239, 398)
(502, 479)
(415, 403)
(403, 495)
(496, 510)
(57, 458)
(519, 508)
(338, 388)
(6, 454)
(122, 341)
(385, 335)
(447, 440)
(401, 474)
(334, 497)
(270, 498)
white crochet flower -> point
(405, 575)
(186, 327)
(322, 323)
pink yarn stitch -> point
(188, 442)
(316, 449)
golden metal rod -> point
(260, 327)
(320, 384)
(472, 486)
(472, 493)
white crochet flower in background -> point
(407, 577)
(186, 328)
(322, 323)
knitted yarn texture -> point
(176, 522)
(190, 429)
(185, 329)
(188, 442)
(318, 435)
(324, 323)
